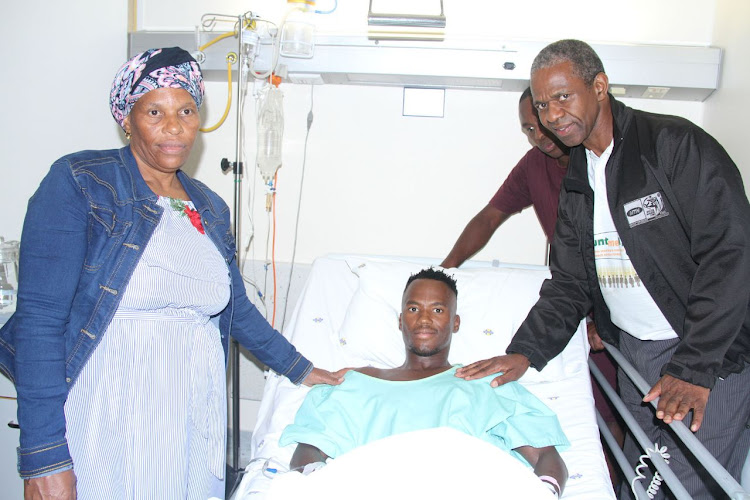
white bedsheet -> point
(316, 330)
(432, 463)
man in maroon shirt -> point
(534, 181)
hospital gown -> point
(337, 419)
(146, 417)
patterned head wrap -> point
(154, 69)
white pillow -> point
(492, 303)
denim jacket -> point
(85, 230)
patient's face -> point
(428, 317)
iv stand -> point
(235, 347)
(233, 472)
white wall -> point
(727, 109)
(58, 62)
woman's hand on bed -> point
(511, 367)
(677, 398)
(320, 376)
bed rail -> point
(733, 489)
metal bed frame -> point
(732, 488)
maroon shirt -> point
(534, 181)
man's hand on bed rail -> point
(512, 367)
(595, 341)
(321, 376)
(676, 398)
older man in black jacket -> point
(653, 234)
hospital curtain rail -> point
(733, 489)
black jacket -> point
(692, 253)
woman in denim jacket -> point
(120, 374)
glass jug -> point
(8, 275)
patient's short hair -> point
(433, 274)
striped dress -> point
(147, 416)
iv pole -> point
(233, 472)
(234, 346)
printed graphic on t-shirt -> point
(613, 266)
(646, 209)
(631, 306)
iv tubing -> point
(247, 24)
(276, 49)
(299, 206)
(273, 246)
(251, 24)
(231, 57)
(217, 39)
(330, 11)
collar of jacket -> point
(578, 176)
(195, 190)
(198, 192)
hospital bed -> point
(347, 316)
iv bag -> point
(270, 132)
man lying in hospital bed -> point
(347, 316)
(424, 393)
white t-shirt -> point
(631, 307)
